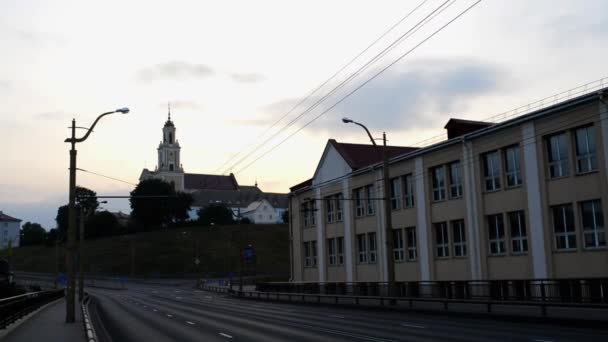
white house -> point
(9, 231)
(262, 212)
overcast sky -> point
(232, 68)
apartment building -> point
(520, 199)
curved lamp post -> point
(71, 248)
(388, 231)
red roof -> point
(6, 218)
(361, 155)
(210, 182)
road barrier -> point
(89, 330)
(14, 308)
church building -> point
(208, 189)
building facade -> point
(9, 231)
(521, 199)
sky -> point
(231, 69)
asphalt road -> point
(164, 313)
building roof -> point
(253, 206)
(238, 198)
(6, 218)
(304, 184)
(361, 155)
(196, 181)
(458, 127)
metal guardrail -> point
(582, 291)
(14, 308)
(89, 330)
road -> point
(164, 313)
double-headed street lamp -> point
(388, 230)
(71, 248)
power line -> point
(361, 85)
(328, 80)
(104, 176)
(378, 56)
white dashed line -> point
(169, 315)
(154, 310)
(336, 316)
(191, 323)
(208, 297)
(178, 298)
(412, 326)
(225, 335)
(542, 340)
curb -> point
(89, 331)
(19, 322)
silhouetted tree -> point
(32, 234)
(86, 199)
(181, 206)
(216, 213)
(100, 224)
(285, 216)
(155, 212)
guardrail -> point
(591, 290)
(14, 308)
(89, 330)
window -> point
(586, 160)
(594, 234)
(512, 166)
(409, 191)
(410, 234)
(362, 247)
(557, 150)
(310, 254)
(496, 228)
(398, 250)
(340, 249)
(459, 236)
(563, 227)
(313, 213)
(517, 225)
(438, 179)
(331, 251)
(371, 239)
(329, 210)
(491, 171)
(455, 180)
(442, 240)
(305, 215)
(358, 202)
(395, 193)
(313, 245)
(339, 200)
(370, 194)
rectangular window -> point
(410, 234)
(308, 258)
(371, 243)
(305, 214)
(586, 160)
(409, 191)
(339, 200)
(593, 224)
(340, 250)
(370, 195)
(313, 212)
(329, 210)
(331, 251)
(313, 247)
(496, 230)
(459, 236)
(442, 240)
(491, 171)
(512, 166)
(563, 227)
(396, 193)
(455, 180)
(517, 225)
(557, 150)
(438, 182)
(398, 250)
(362, 248)
(358, 193)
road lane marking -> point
(154, 310)
(225, 335)
(336, 316)
(208, 297)
(542, 340)
(191, 323)
(169, 315)
(178, 298)
(412, 326)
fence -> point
(14, 308)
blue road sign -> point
(249, 254)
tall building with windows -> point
(523, 198)
(9, 231)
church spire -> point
(169, 110)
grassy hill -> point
(170, 252)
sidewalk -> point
(48, 325)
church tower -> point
(168, 149)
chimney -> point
(458, 127)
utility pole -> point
(81, 255)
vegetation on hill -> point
(171, 252)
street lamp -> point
(388, 231)
(70, 295)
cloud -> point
(175, 70)
(413, 97)
(50, 116)
(4, 85)
(247, 77)
(183, 105)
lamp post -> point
(388, 230)
(71, 243)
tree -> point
(285, 216)
(216, 213)
(52, 237)
(152, 212)
(181, 206)
(85, 198)
(32, 234)
(100, 224)
(245, 220)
